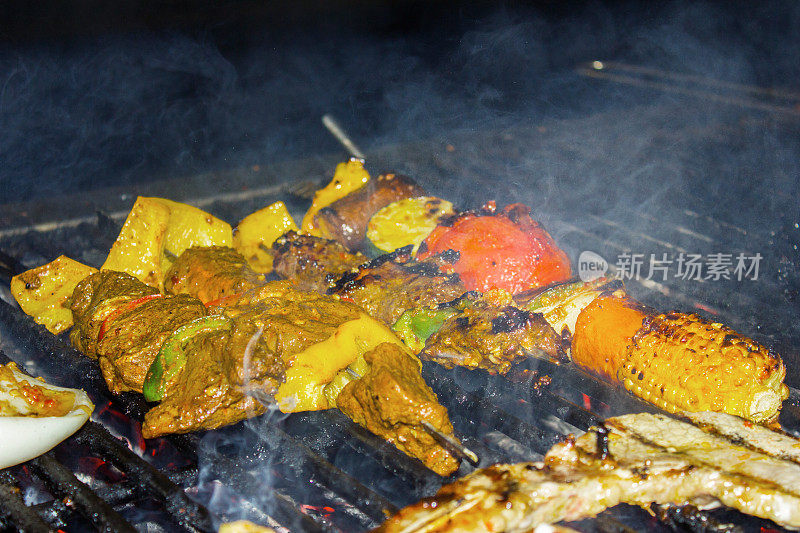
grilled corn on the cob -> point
(684, 362)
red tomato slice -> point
(508, 250)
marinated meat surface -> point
(391, 284)
(278, 322)
(134, 337)
(312, 263)
(392, 401)
(637, 459)
(123, 323)
(279, 345)
(210, 273)
(94, 298)
(202, 397)
(493, 335)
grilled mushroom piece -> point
(346, 219)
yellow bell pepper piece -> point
(156, 228)
(44, 292)
(348, 177)
(309, 371)
(189, 226)
(139, 247)
(257, 231)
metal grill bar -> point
(188, 513)
(315, 467)
(286, 511)
(61, 482)
(410, 470)
(13, 511)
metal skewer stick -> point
(332, 126)
(445, 440)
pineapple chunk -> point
(44, 292)
(157, 228)
(349, 176)
(139, 247)
(258, 231)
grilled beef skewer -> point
(312, 263)
(269, 342)
(489, 333)
(122, 322)
(394, 283)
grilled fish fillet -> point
(637, 459)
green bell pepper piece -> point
(416, 325)
(172, 356)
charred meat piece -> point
(210, 273)
(636, 459)
(492, 334)
(123, 323)
(134, 337)
(393, 401)
(391, 284)
(202, 397)
(346, 219)
(312, 263)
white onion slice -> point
(24, 437)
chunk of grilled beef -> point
(123, 323)
(275, 322)
(94, 298)
(391, 284)
(492, 334)
(202, 397)
(393, 401)
(231, 375)
(312, 263)
(210, 273)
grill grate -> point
(499, 424)
(319, 471)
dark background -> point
(112, 93)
